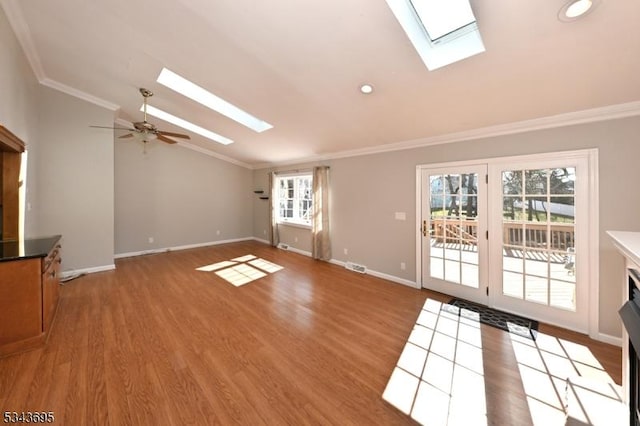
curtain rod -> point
(285, 172)
(305, 170)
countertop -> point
(27, 249)
(628, 243)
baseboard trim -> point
(607, 338)
(83, 271)
(394, 279)
(260, 240)
(176, 248)
(302, 252)
(382, 275)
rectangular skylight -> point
(440, 18)
(191, 90)
(448, 33)
(162, 115)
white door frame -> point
(591, 266)
(474, 294)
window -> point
(295, 199)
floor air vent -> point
(355, 267)
(283, 246)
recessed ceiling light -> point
(162, 115)
(575, 9)
(366, 89)
(191, 90)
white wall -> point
(75, 179)
(367, 190)
(18, 104)
(70, 166)
(178, 197)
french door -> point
(454, 224)
(514, 234)
(540, 211)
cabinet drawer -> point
(50, 291)
(20, 301)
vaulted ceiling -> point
(299, 64)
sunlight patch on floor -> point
(438, 379)
(564, 382)
(245, 258)
(265, 265)
(242, 270)
(240, 274)
(215, 266)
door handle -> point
(424, 228)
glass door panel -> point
(539, 233)
(454, 219)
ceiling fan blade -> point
(128, 135)
(112, 128)
(164, 138)
(173, 135)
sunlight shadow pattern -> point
(245, 258)
(242, 270)
(216, 266)
(240, 274)
(439, 379)
(564, 382)
(265, 265)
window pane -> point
(512, 208)
(562, 209)
(512, 284)
(436, 184)
(452, 184)
(535, 181)
(512, 182)
(535, 209)
(563, 295)
(562, 181)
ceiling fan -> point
(145, 130)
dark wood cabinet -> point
(29, 293)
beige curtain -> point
(274, 237)
(320, 233)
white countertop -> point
(628, 243)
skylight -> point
(193, 91)
(442, 31)
(440, 18)
(162, 115)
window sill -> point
(295, 225)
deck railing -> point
(560, 236)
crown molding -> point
(610, 112)
(23, 34)
(79, 94)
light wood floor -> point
(157, 342)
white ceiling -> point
(298, 65)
